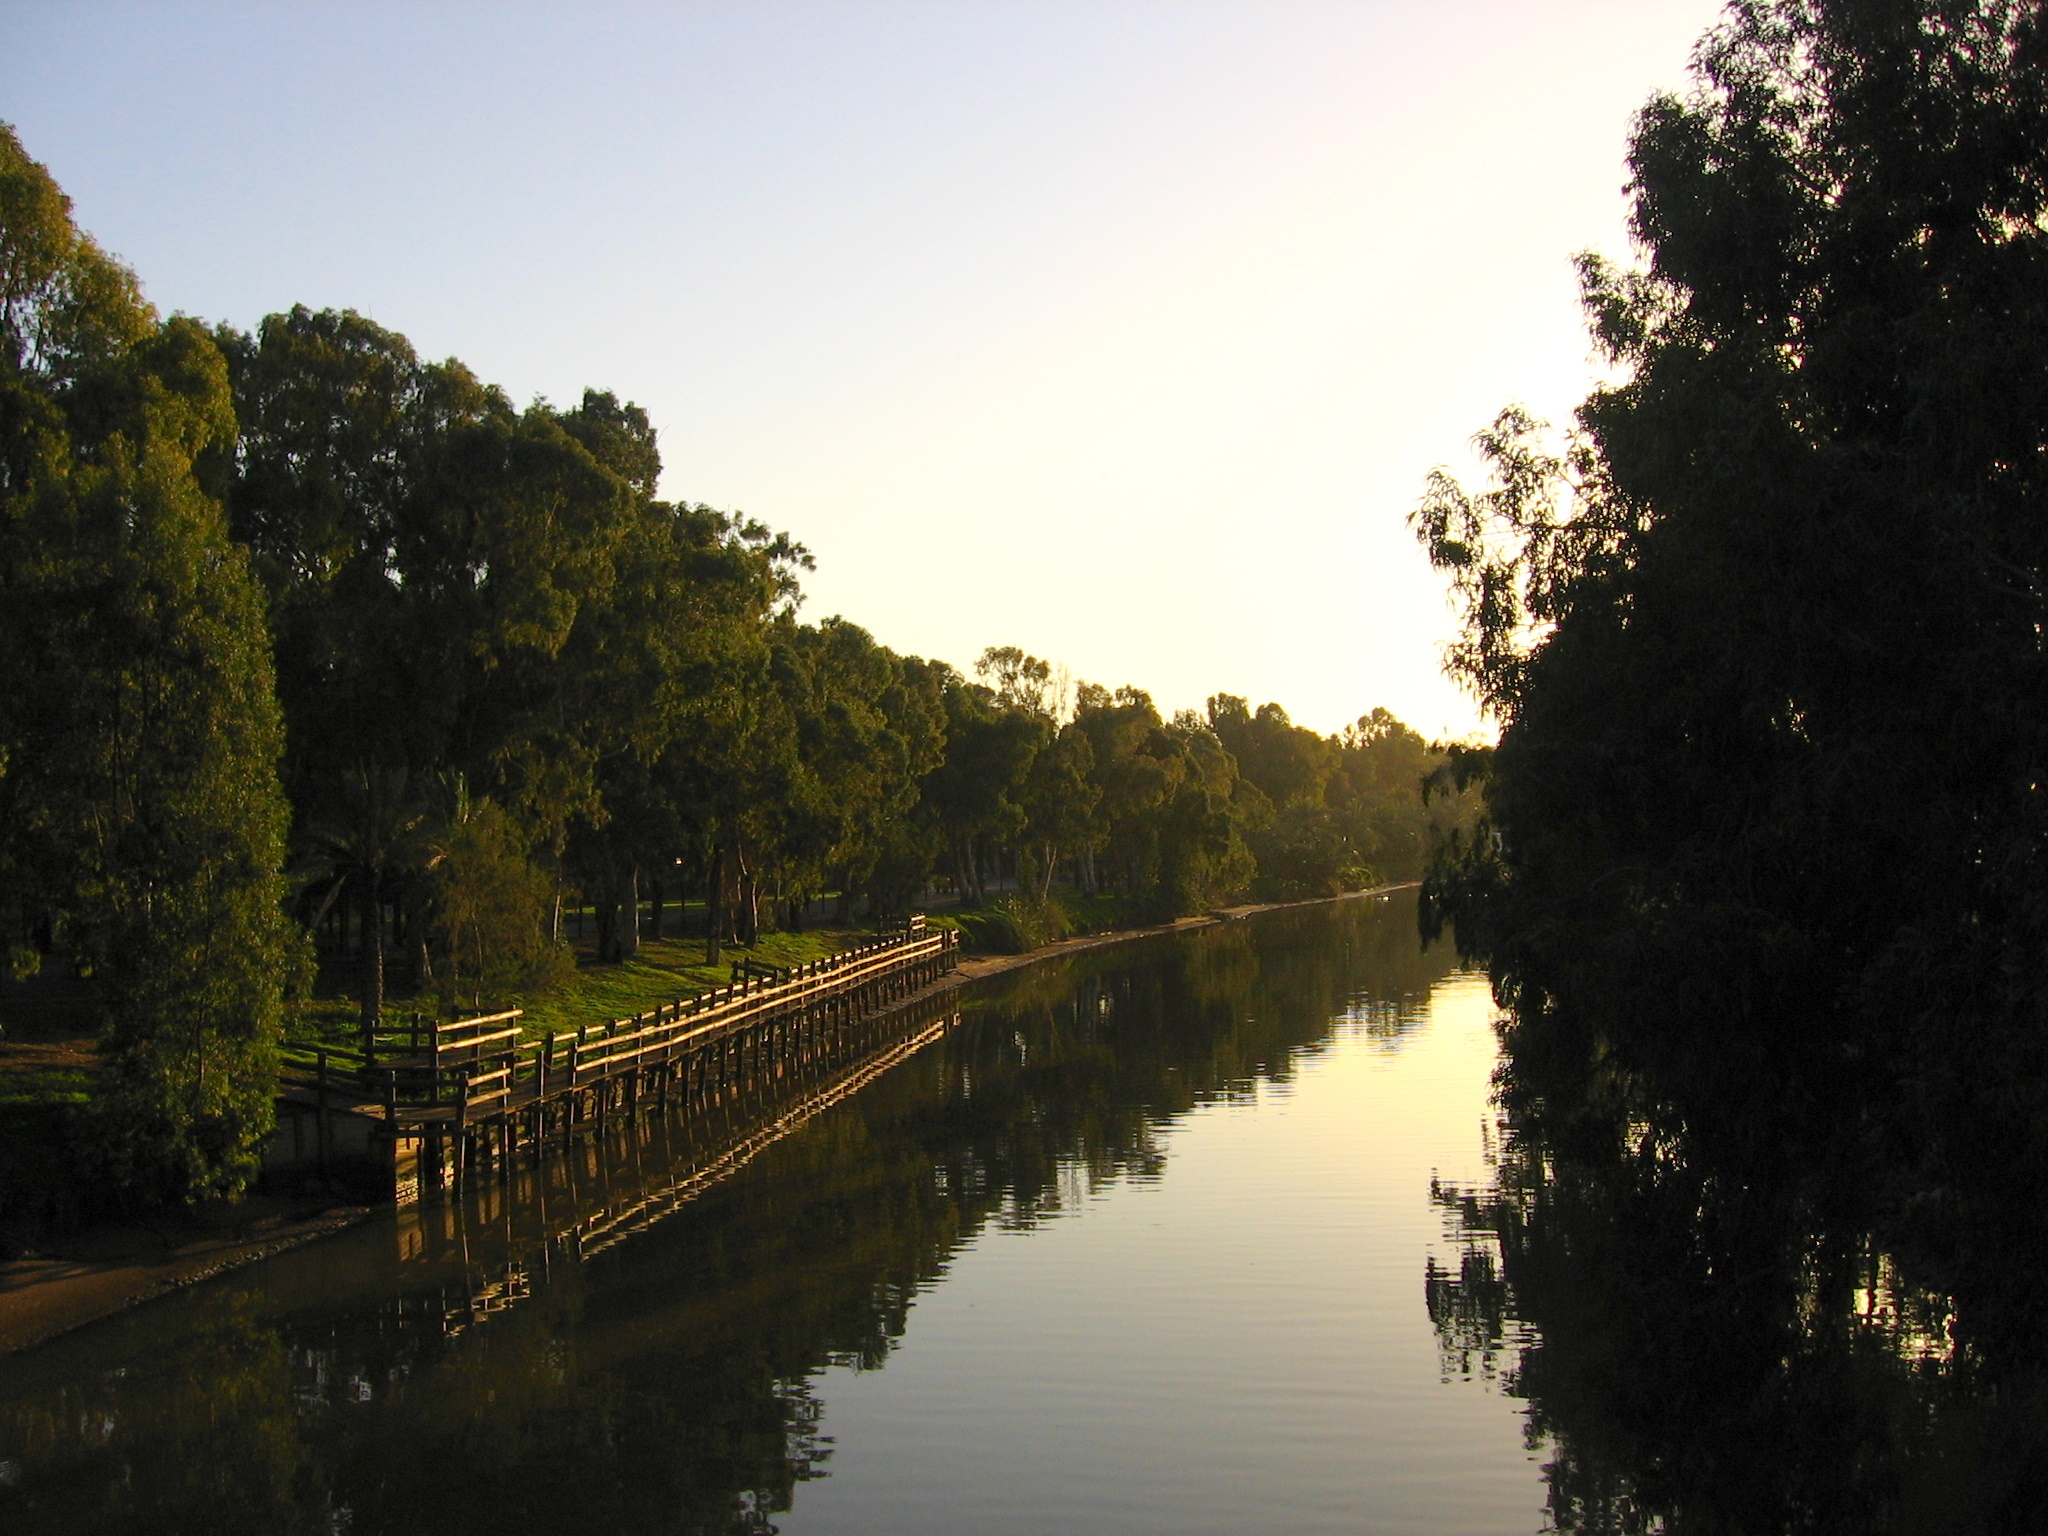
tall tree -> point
(372, 831)
(141, 823)
(1764, 635)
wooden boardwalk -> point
(442, 1097)
(469, 1256)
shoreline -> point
(995, 965)
(41, 1298)
(114, 1268)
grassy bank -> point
(594, 991)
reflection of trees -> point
(1732, 1323)
(1471, 1306)
(664, 1386)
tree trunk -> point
(607, 920)
(749, 913)
(629, 913)
(714, 906)
(656, 896)
(411, 933)
(373, 964)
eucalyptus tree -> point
(1302, 847)
(1024, 682)
(1385, 790)
(1203, 857)
(141, 823)
(1288, 763)
(338, 428)
(973, 794)
(1169, 806)
(1763, 634)
(464, 588)
(869, 726)
(901, 852)
(1059, 800)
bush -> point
(1015, 925)
(1100, 913)
(491, 923)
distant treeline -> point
(302, 632)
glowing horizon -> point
(1125, 333)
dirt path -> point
(104, 1269)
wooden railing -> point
(477, 1066)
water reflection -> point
(502, 1364)
(1724, 1324)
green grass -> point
(665, 970)
(594, 993)
(21, 1087)
(328, 1021)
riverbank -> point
(103, 1270)
(979, 966)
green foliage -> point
(662, 971)
(1763, 633)
(1333, 813)
(491, 903)
(1092, 911)
(141, 826)
(1015, 925)
(490, 669)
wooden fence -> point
(444, 1089)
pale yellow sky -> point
(1123, 333)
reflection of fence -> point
(445, 1093)
(479, 1248)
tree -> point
(1389, 793)
(1763, 635)
(973, 793)
(374, 831)
(141, 823)
(491, 910)
(1023, 682)
(1287, 762)
(338, 425)
(1059, 799)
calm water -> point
(1149, 1241)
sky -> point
(1125, 333)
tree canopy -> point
(142, 829)
(323, 653)
(1763, 633)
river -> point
(1195, 1234)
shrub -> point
(1015, 925)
